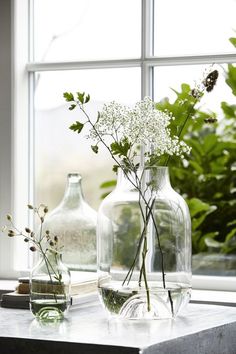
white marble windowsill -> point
(202, 329)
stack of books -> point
(83, 289)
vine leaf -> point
(94, 148)
(77, 127)
(68, 96)
(120, 148)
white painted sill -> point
(199, 296)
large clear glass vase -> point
(50, 284)
(73, 221)
(144, 247)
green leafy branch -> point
(123, 156)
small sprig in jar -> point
(36, 240)
(49, 279)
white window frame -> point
(14, 132)
(17, 178)
(6, 126)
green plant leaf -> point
(233, 41)
(80, 96)
(87, 99)
(231, 78)
(230, 235)
(231, 223)
(210, 242)
(77, 127)
(202, 244)
(209, 143)
(196, 167)
(72, 107)
(104, 195)
(68, 96)
(94, 148)
(197, 149)
(108, 184)
(197, 206)
(120, 148)
(229, 110)
(115, 168)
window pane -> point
(58, 150)
(194, 27)
(86, 29)
(207, 177)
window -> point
(115, 50)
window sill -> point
(202, 328)
(7, 286)
(213, 297)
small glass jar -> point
(50, 284)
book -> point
(15, 300)
(22, 301)
(83, 284)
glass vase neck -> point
(53, 257)
(157, 176)
(73, 196)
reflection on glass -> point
(187, 27)
(58, 150)
(86, 29)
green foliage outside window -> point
(208, 178)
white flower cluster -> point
(111, 122)
(144, 124)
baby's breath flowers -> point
(141, 125)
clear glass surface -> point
(58, 150)
(123, 240)
(73, 221)
(86, 29)
(50, 284)
(189, 27)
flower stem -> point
(47, 263)
(143, 268)
(130, 272)
(171, 303)
(145, 218)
